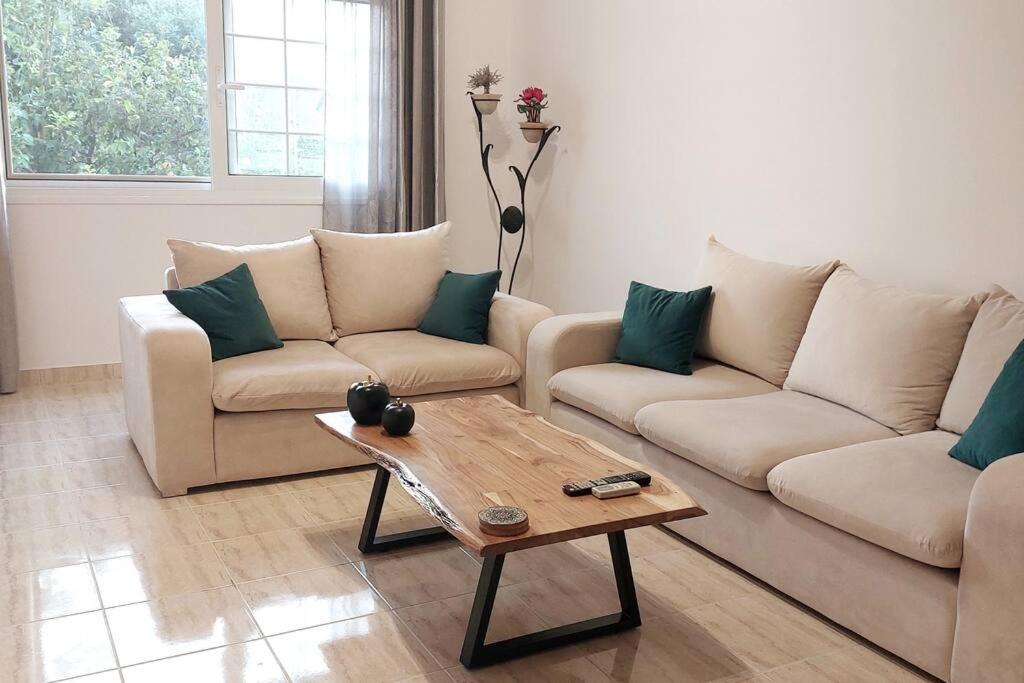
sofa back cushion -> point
(382, 282)
(758, 310)
(229, 310)
(996, 332)
(885, 352)
(287, 275)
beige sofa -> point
(198, 422)
(823, 463)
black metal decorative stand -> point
(513, 218)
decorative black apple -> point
(367, 400)
(398, 418)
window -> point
(274, 62)
(112, 88)
(209, 91)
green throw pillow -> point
(461, 307)
(659, 327)
(998, 429)
(229, 310)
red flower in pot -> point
(531, 101)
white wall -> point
(73, 262)
(886, 133)
(477, 34)
(889, 133)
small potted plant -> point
(485, 78)
(532, 101)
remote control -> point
(623, 488)
(582, 488)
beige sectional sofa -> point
(821, 457)
(198, 422)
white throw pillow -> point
(886, 352)
(758, 310)
(382, 282)
(288, 277)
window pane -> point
(306, 111)
(254, 17)
(115, 87)
(256, 108)
(259, 154)
(254, 60)
(306, 155)
(305, 19)
(292, 60)
(306, 65)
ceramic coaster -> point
(504, 520)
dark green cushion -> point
(659, 327)
(998, 429)
(461, 307)
(229, 310)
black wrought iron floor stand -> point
(475, 651)
(512, 218)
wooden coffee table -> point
(465, 454)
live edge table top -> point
(466, 454)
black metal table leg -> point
(370, 542)
(480, 617)
(476, 653)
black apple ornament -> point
(398, 418)
(366, 401)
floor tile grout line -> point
(277, 658)
(73, 489)
(72, 679)
(56, 616)
(387, 605)
(310, 627)
(427, 650)
(106, 621)
(192, 652)
(56, 442)
(266, 638)
(903, 666)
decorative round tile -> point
(504, 520)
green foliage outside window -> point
(114, 87)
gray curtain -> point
(383, 157)
(8, 317)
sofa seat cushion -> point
(302, 374)
(413, 363)
(742, 439)
(904, 494)
(615, 392)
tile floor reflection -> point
(104, 581)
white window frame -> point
(220, 188)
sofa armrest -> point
(567, 341)
(989, 640)
(171, 279)
(168, 383)
(509, 325)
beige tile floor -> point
(102, 581)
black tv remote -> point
(583, 488)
